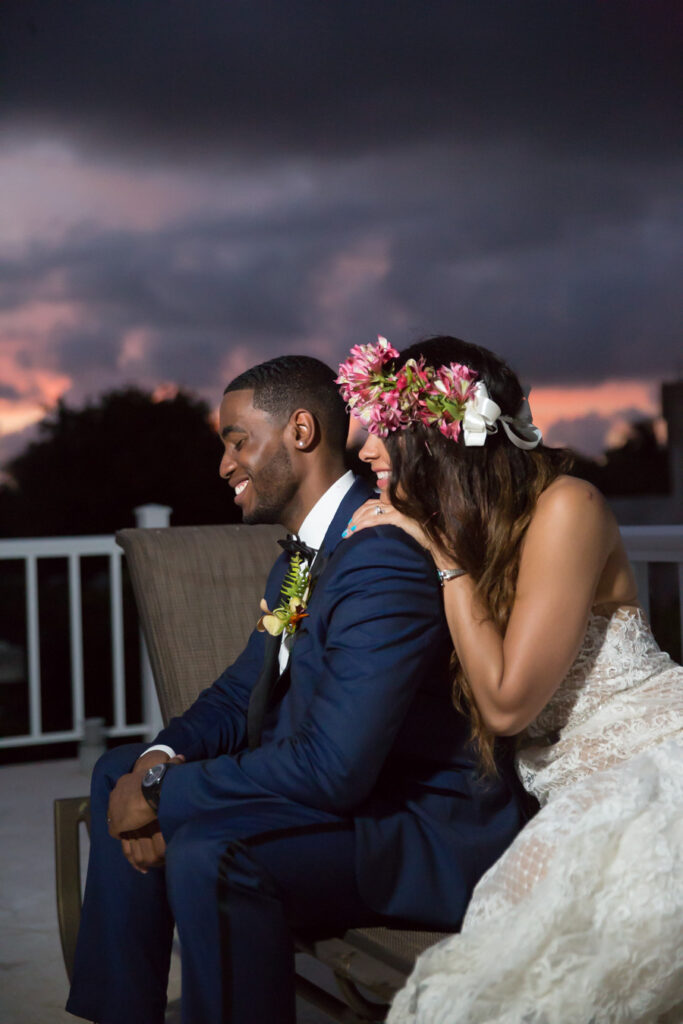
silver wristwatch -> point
(151, 784)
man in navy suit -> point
(324, 781)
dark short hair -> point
(286, 383)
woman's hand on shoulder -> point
(376, 512)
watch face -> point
(153, 774)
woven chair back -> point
(197, 590)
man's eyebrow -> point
(232, 428)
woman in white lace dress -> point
(581, 921)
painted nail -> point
(353, 528)
(345, 533)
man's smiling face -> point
(256, 462)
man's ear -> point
(305, 432)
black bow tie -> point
(294, 546)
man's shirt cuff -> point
(159, 746)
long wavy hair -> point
(473, 502)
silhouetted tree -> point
(640, 466)
(92, 466)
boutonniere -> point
(293, 600)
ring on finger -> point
(379, 511)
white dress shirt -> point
(312, 532)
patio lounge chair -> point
(197, 590)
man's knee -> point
(196, 859)
(192, 861)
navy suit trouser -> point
(235, 882)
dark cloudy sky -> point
(191, 186)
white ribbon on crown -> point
(526, 434)
(480, 417)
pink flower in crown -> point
(371, 418)
(368, 417)
(366, 388)
(450, 430)
(380, 353)
(456, 381)
(422, 392)
(381, 417)
(414, 375)
(365, 364)
(411, 382)
(445, 399)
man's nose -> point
(227, 466)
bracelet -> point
(450, 574)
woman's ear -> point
(305, 429)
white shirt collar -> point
(317, 522)
(312, 532)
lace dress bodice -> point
(621, 695)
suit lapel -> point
(270, 670)
(258, 701)
(267, 684)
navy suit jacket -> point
(366, 730)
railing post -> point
(150, 517)
(641, 571)
(92, 744)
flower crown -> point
(450, 397)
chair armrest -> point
(69, 812)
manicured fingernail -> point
(353, 528)
(345, 533)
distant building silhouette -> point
(664, 508)
(672, 410)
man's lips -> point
(240, 487)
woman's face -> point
(375, 453)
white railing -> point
(73, 549)
(645, 545)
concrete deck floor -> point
(33, 982)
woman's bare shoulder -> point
(569, 500)
(570, 493)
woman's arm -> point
(563, 556)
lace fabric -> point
(621, 696)
(582, 918)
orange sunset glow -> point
(608, 399)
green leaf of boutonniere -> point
(293, 600)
